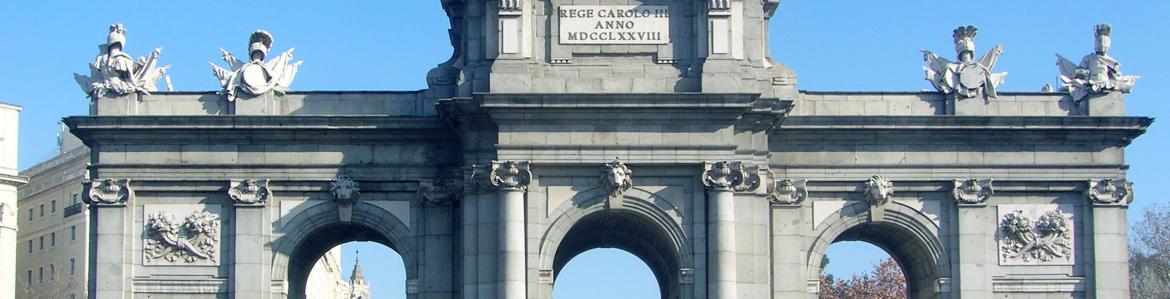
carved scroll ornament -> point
(510, 175)
(1109, 191)
(249, 191)
(108, 191)
(972, 191)
(787, 192)
(189, 241)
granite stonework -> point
(699, 156)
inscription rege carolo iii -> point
(614, 25)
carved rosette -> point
(249, 192)
(1046, 239)
(1110, 191)
(721, 176)
(193, 240)
(616, 178)
(510, 175)
(108, 191)
(438, 192)
(878, 190)
(972, 191)
(787, 192)
(344, 189)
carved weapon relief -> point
(967, 78)
(972, 191)
(195, 240)
(1035, 234)
(878, 190)
(616, 178)
(114, 71)
(256, 76)
(1097, 72)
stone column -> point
(250, 276)
(511, 179)
(786, 198)
(1110, 200)
(112, 226)
(469, 207)
(976, 236)
(720, 180)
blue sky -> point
(390, 45)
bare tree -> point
(885, 281)
(1149, 254)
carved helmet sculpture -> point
(117, 37)
(1103, 41)
(260, 41)
(965, 42)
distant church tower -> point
(357, 281)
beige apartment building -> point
(51, 250)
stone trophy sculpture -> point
(1097, 73)
(967, 78)
(256, 77)
(114, 71)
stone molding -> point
(438, 192)
(878, 190)
(787, 192)
(249, 192)
(972, 191)
(344, 189)
(193, 240)
(616, 178)
(1110, 192)
(108, 191)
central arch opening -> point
(912, 257)
(627, 232)
(623, 275)
(324, 253)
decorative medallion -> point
(108, 191)
(972, 191)
(249, 191)
(193, 240)
(344, 189)
(878, 190)
(1027, 242)
(616, 178)
(787, 192)
(1110, 191)
(510, 175)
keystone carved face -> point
(616, 177)
(878, 190)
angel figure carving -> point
(967, 78)
(256, 76)
(116, 72)
(1097, 73)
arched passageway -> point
(628, 232)
(623, 275)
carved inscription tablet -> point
(614, 25)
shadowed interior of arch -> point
(319, 242)
(628, 232)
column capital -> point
(506, 175)
(1109, 192)
(972, 192)
(722, 176)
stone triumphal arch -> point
(662, 128)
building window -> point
(42, 209)
(72, 266)
(28, 280)
(52, 272)
(30, 246)
(30, 213)
(53, 207)
(53, 239)
(74, 199)
(41, 275)
(41, 240)
(73, 233)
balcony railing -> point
(74, 209)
